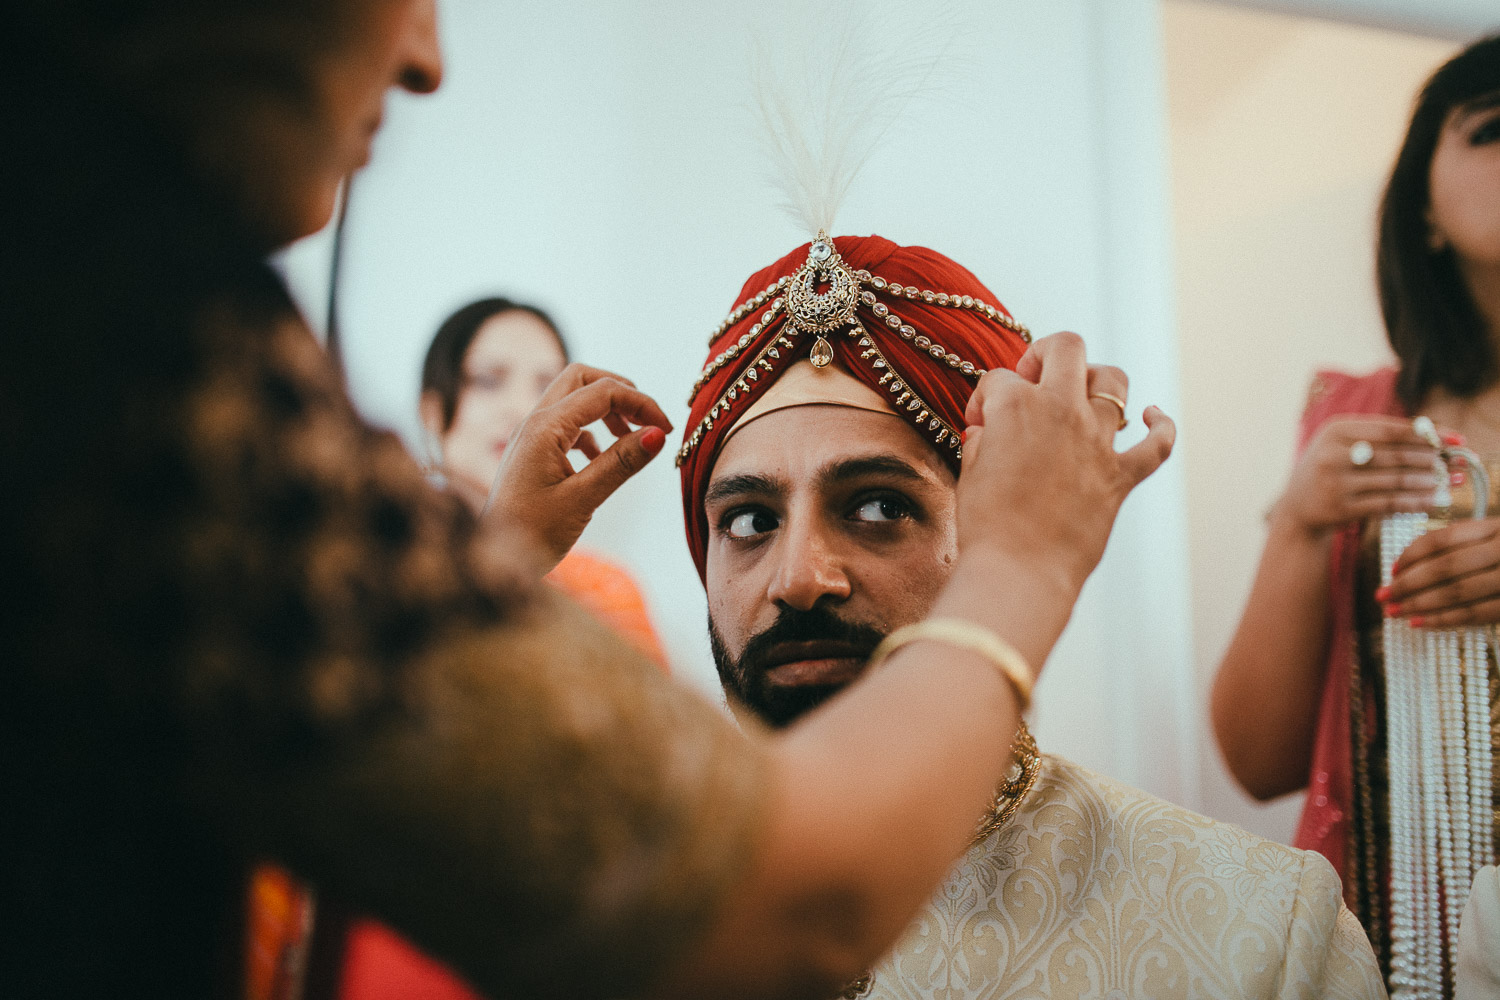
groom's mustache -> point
(816, 633)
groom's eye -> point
(748, 523)
(884, 507)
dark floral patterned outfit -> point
(239, 624)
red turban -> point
(906, 321)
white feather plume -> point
(828, 92)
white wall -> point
(1283, 130)
(597, 158)
(1454, 20)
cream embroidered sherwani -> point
(1095, 889)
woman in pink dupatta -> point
(1297, 700)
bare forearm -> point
(934, 731)
(878, 794)
(1266, 694)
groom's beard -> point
(744, 677)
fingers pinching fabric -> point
(908, 322)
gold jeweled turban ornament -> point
(827, 296)
(820, 312)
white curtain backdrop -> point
(598, 159)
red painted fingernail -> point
(1383, 594)
(1455, 440)
(652, 439)
(1392, 610)
(1457, 479)
(1416, 621)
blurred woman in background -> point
(1296, 703)
(485, 371)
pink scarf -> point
(1324, 826)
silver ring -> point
(1360, 453)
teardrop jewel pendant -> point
(821, 354)
(823, 293)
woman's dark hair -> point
(182, 59)
(199, 81)
(1431, 319)
(443, 370)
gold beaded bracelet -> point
(968, 636)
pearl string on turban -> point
(912, 326)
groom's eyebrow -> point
(886, 466)
(743, 485)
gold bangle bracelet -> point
(967, 636)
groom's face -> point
(828, 528)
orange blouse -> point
(611, 596)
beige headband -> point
(804, 385)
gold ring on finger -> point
(1360, 453)
(1111, 398)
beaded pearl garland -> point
(1438, 753)
(796, 307)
